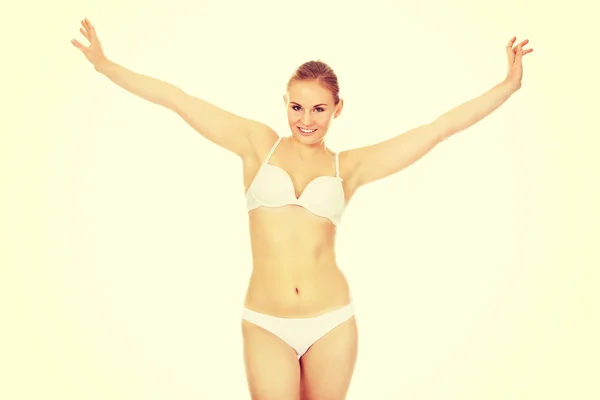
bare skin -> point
(295, 273)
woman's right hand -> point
(94, 52)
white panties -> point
(300, 333)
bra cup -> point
(273, 187)
(324, 197)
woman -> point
(298, 323)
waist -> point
(290, 231)
(294, 290)
(292, 252)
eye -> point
(295, 107)
(320, 108)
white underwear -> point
(300, 333)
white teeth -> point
(307, 131)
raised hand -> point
(515, 64)
(93, 52)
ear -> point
(338, 108)
(285, 99)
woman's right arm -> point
(219, 126)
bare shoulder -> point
(350, 158)
(348, 161)
(262, 138)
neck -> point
(307, 151)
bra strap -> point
(337, 166)
(272, 150)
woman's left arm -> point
(377, 161)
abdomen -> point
(294, 272)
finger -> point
(509, 48)
(88, 25)
(84, 33)
(524, 42)
(519, 53)
(77, 44)
(516, 48)
(511, 42)
(511, 55)
(91, 29)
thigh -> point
(328, 365)
(272, 367)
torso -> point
(294, 273)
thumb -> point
(77, 44)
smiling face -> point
(310, 110)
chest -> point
(275, 181)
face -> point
(310, 110)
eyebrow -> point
(322, 104)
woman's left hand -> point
(515, 62)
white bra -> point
(273, 187)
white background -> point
(125, 252)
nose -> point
(306, 119)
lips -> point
(306, 132)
